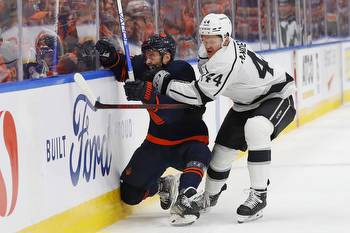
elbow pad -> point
(161, 81)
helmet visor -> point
(211, 41)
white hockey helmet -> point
(216, 24)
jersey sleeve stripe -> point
(165, 85)
(228, 75)
(188, 97)
(274, 89)
(203, 96)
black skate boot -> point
(167, 191)
(185, 211)
(252, 208)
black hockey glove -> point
(140, 91)
(161, 81)
(107, 53)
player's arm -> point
(196, 92)
(111, 59)
(181, 91)
(116, 62)
(216, 75)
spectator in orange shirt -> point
(212, 6)
(142, 14)
(67, 28)
(8, 60)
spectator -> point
(67, 28)
(68, 63)
(48, 50)
(172, 28)
(317, 19)
(108, 7)
(189, 22)
(331, 18)
(86, 55)
(109, 26)
(180, 22)
(247, 22)
(141, 12)
(133, 25)
(216, 6)
(110, 29)
(187, 48)
(343, 13)
(8, 14)
(289, 30)
(5, 73)
(8, 61)
(130, 26)
(29, 9)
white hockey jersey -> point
(234, 71)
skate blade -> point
(205, 210)
(177, 220)
(243, 218)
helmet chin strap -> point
(162, 59)
(225, 40)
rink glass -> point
(32, 30)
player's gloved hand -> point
(140, 91)
(161, 81)
(107, 53)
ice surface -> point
(309, 191)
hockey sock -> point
(258, 166)
(191, 177)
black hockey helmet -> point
(160, 42)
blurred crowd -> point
(59, 35)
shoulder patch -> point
(242, 50)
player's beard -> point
(155, 67)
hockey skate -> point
(185, 211)
(214, 198)
(167, 191)
(206, 201)
(252, 208)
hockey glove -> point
(161, 81)
(107, 53)
(140, 91)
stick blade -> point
(83, 85)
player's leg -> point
(195, 157)
(229, 141)
(258, 130)
(266, 123)
(140, 178)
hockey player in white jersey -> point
(263, 106)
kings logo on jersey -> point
(242, 50)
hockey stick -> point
(84, 86)
(125, 41)
(81, 82)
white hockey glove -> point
(161, 81)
